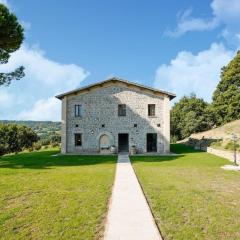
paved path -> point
(129, 216)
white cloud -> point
(44, 79)
(198, 73)
(6, 98)
(43, 109)
(186, 23)
(225, 13)
(226, 10)
(5, 2)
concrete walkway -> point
(129, 216)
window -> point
(158, 125)
(76, 125)
(103, 125)
(151, 110)
(122, 110)
(135, 125)
(78, 110)
(78, 139)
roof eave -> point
(61, 96)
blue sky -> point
(178, 46)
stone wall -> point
(225, 154)
(100, 107)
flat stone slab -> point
(129, 216)
(231, 167)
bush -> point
(37, 146)
(56, 138)
(216, 144)
(45, 142)
(55, 144)
(230, 146)
(174, 139)
(14, 138)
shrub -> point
(14, 138)
(37, 146)
(230, 146)
(55, 144)
(45, 142)
(216, 144)
(174, 139)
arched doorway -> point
(105, 142)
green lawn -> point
(191, 197)
(46, 197)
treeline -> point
(47, 131)
(192, 114)
(15, 138)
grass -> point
(190, 195)
(46, 197)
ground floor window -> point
(78, 139)
(151, 142)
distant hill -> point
(44, 129)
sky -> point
(176, 46)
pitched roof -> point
(114, 80)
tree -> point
(3, 140)
(11, 38)
(26, 137)
(226, 97)
(55, 138)
(190, 115)
(14, 138)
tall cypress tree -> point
(226, 97)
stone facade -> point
(100, 124)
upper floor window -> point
(122, 110)
(151, 110)
(78, 110)
(78, 139)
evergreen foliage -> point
(14, 138)
(190, 115)
(226, 97)
(11, 38)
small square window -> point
(158, 125)
(78, 139)
(78, 110)
(135, 125)
(151, 110)
(76, 125)
(103, 125)
(122, 110)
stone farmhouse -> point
(115, 114)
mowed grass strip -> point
(190, 195)
(47, 197)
